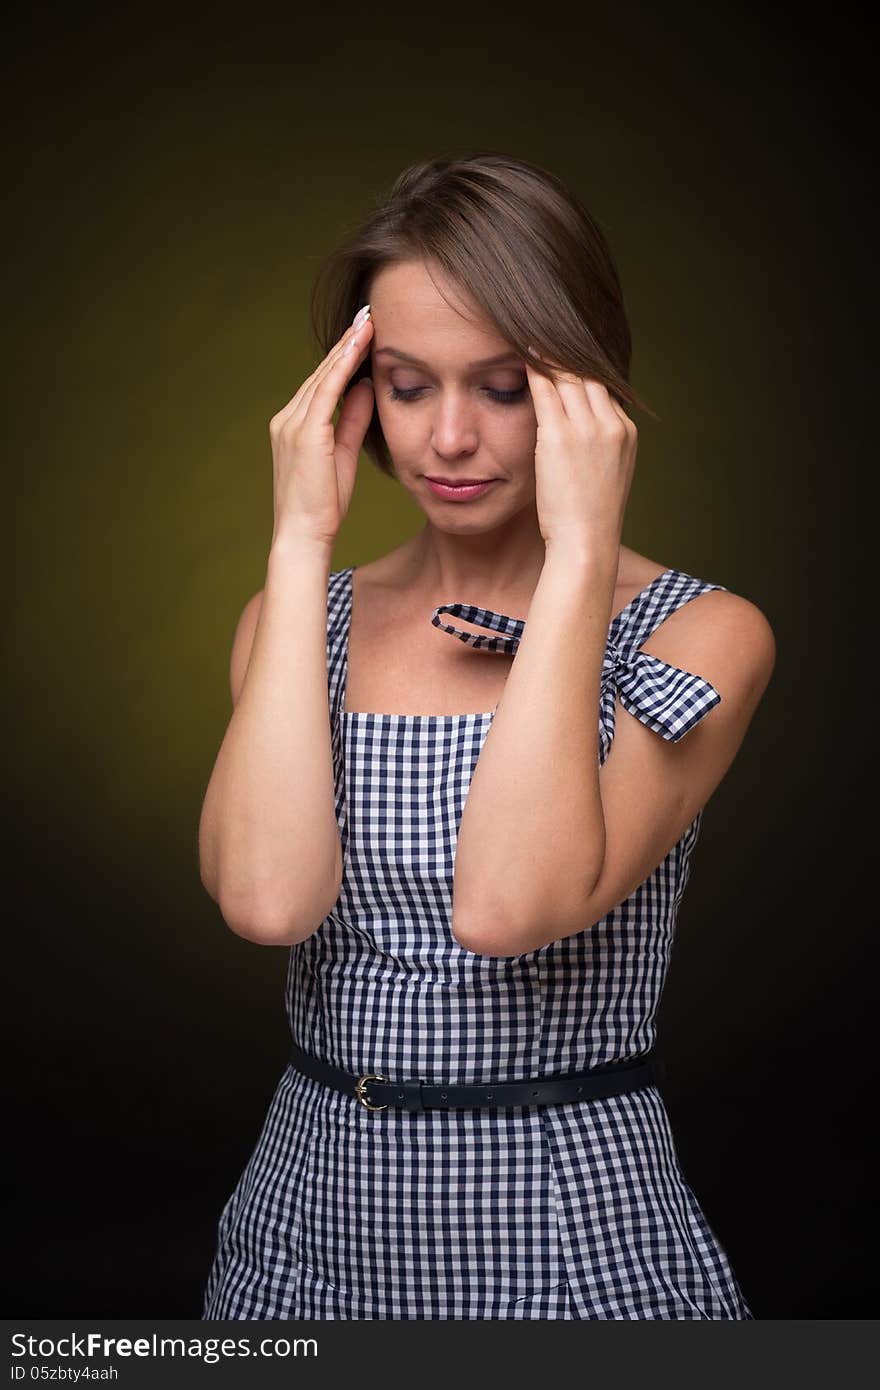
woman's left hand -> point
(584, 459)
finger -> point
(616, 405)
(605, 407)
(354, 334)
(575, 400)
(569, 388)
(299, 403)
(545, 397)
(325, 391)
(354, 418)
(307, 387)
(624, 414)
(547, 362)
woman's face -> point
(444, 415)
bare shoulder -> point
(723, 637)
(242, 643)
(719, 629)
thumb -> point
(355, 416)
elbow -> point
(270, 923)
(516, 928)
(507, 934)
(497, 936)
(272, 912)
(262, 927)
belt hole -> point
(534, 1093)
(400, 1095)
(488, 1095)
(442, 1095)
(580, 1088)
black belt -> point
(608, 1079)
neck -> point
(472, 569)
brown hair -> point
(522, 247)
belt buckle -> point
(360, 1092)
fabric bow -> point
(664, 697)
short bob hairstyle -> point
(522, 248)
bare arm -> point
(532, 839)
(549, 843)
(269, 847)
(268, 840)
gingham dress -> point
(575, 1211)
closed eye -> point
(503, 397)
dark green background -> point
(172, 185)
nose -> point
(454, 432)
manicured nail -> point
(532, 350)
(361, 316)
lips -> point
(459, 491)
(458, 482)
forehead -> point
(419, 310)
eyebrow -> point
(471, 366)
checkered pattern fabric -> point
(576, 1211)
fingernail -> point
(368, 380)
(361, 316)
(532, 350)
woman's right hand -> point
(314, 468)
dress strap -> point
(338, 619)
(509, 630)
(665, 698)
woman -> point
(479, 898)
